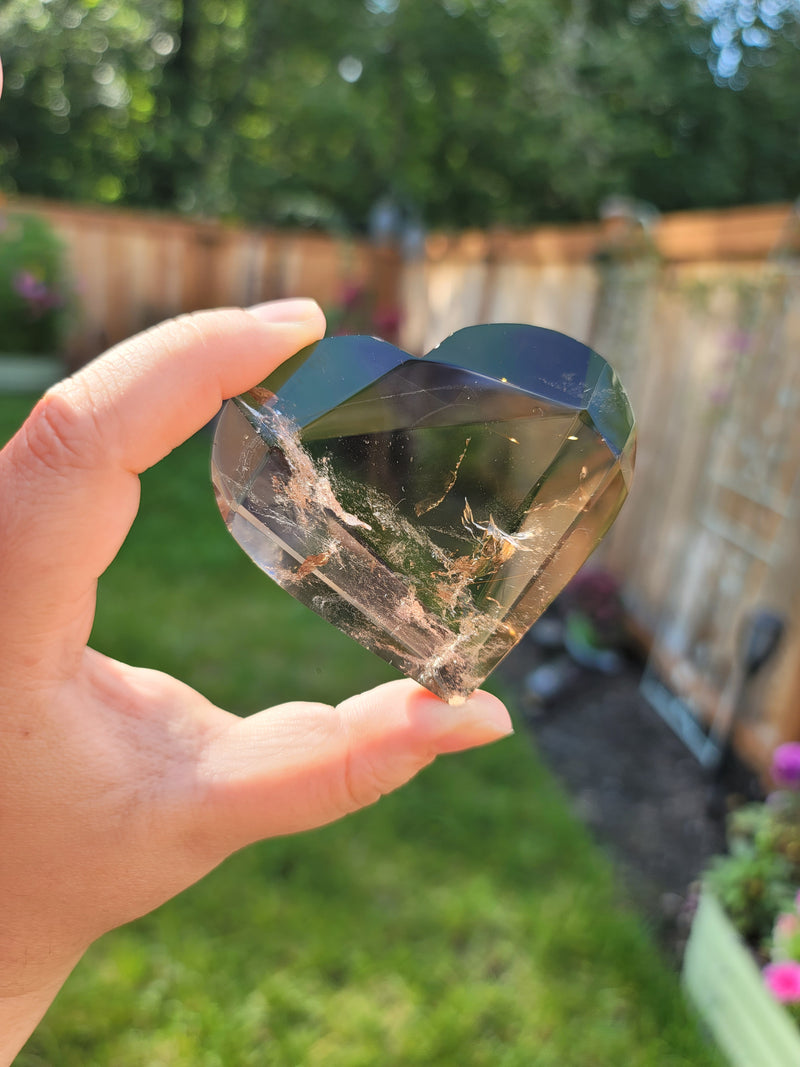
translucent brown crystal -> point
(430, 508)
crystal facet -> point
(430, 508)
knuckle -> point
(372, 772)
(361, 786)
(61, 432)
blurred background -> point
(625, 172)
(471, 114)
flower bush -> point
(782, 974)
(358, 312)
(758, 883)
(35, 295)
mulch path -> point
(631, 780)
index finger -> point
(71, 471)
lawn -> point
(466, 920)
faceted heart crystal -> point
(430, 508)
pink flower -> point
(351, 294)
(783, 981)
(386, 320)
(786, 765)
(786, 925)
(784, 933)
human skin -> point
(121, 786)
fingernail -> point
(480, 719)
(290, 312)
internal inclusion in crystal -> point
(430, 508)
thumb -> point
(71, 470)
(300, 765)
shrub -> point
(35, 297)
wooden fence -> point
(699, 313)
(134, 269)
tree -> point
(476, 111)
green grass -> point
(466, 920)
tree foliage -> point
(474, 111)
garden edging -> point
(725, 985)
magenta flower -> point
(783, 981)
(786, 765)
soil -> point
(645, 798)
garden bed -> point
(635, 785)
(725, 984)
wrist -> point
(23, 1004)
(19, 1017)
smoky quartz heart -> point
(430, 508)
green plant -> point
(786, 935)
(770, 829)
(758, 882)
(35, 296)
(752, 887)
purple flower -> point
(719, 395)
(28, 286)
(786, 765)
(783, 981)
(38, 295)
(739, 340)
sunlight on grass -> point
(466, 920)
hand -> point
(121, 786)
